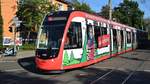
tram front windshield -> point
(51, 34)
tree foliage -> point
(147, 26)
(32, 12)
(127, 13)
(81, 6)
(105, 12)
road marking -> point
(133, 72)
(147, 70)
(12, 70)
(102, 76)
(128, 77)
(102, 67)
(121, 69)
(7, 61)
(106, 74)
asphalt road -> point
(129, 68)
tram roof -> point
(60, 13)
(67, 13)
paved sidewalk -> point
(20, 54)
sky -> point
(96, 5)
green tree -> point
(105, 12)
(72, 57)
(84, 56)
(31, 12)
(66, 59)
(1, 29)
(81, 6)
(129, 13)
(147, 26)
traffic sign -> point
(16, 21)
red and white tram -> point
(72, 39)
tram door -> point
(118, 40)
(115, 45)
(134, 40)
(90, 42)
(122, 40)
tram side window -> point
(133, 36)
(115, 36)
(121, 32)
(104, 30)
(102, 39)
(89, 29)
(128, 37)
(74, 36)
(97, 34)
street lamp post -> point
(109, 26)
(110, 9)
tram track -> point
(106, 75)
(120, 74)
(133, 72)
(103, 74)
(130, 75)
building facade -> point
(8, 11)
(61, 4)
